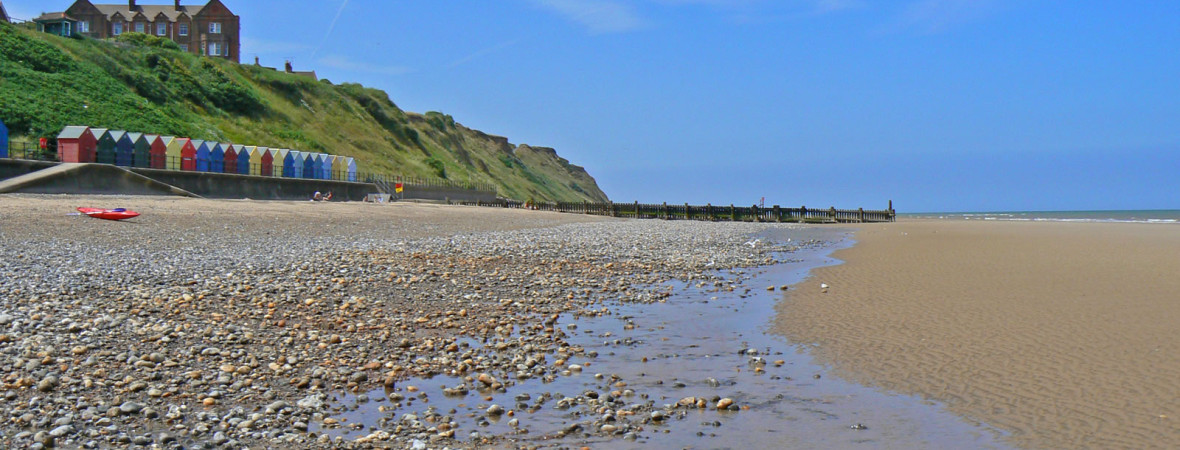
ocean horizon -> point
(1163, 216)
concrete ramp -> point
(87, 178)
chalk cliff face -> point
(145, 84)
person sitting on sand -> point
(328, 197)
(317, 196)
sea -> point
(1161, 216)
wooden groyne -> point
(753, 213)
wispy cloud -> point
(482, 52)
(344, 63)
(599, 16)
(936, 16)
(331, 27)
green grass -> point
(142, 83)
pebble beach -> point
(204, 324)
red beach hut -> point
(268, 163)
(188, 155)
(158, 152)
(76, 144)
(231, 159)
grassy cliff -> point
(143, 83)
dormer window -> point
(214, 27)
(117, 28)
(161, 29)
(183, 31)
(139, 27)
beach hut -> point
(231, 159)
(309, 165)
(244, 159)
(156, 145)
(143, 150)
(127, 159)
(124, 148)
(339, 168)
(266, 162)
(188, 155)
(75, 144)
(4, 142)
(203, 154)
(279, 156)
(256, 160)
(105, 153)
(217, 158)
(172, 151)
(293, 164)
(350, 174)
(326, 166)
(159, 152)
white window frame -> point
(83, 27)
(140, 27)
(161, 29)
(117, 28)
(184, 47)
(214, 27)
(215, 49)
(182, 30)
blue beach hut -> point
(128, 158)
(293, 164)
(216, 157)
(3, 140)
(107, 144)
(326, 162)
(124, 149)
(244, 160)
(203, 155)
(309, 165)
(351, 169)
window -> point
(214, 27)
(161, 29)
(139, 27)
(184, 47)
(215, 49)
(183, 31)
(83, 27)
(116, 28)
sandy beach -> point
(1061, 335)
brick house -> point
(211, 30)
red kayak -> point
(109, 214)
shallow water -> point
(691, 345)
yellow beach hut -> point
(172, 147)
(256, 160)
(278, 158)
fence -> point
(707, 212)
(385, 181)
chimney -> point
(131, 5)
(256, 61)
(178, 5)
(288, 67)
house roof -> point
(72, 132)
(134, 136)
(3, 13)
(54, 17)
(150, 11)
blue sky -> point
(939, 105)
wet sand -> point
(1062, 334)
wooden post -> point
(862, 215)
(732, 213)
(709, 211)
(687, 215)
(832, 214)
(778, 214)
(803, 214)
(664, 211)
(585, 207)
(637, 209)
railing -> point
(387, 182)
(709, 212)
